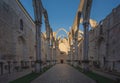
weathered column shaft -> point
(51, 55)
(38, 48)
(85, 48)
(48, 51)
(71, 50)
(37, 5)
(76, 50)
(86, 43)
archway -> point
(61, 29)
(22, 52)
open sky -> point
(62, 12)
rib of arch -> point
(61, 36)
(92, 22)
(61, 29)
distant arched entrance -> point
(61, 61)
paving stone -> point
(63, 73)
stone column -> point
(9, 67)
(48, 52)
(55, 54)
(51, 54)
(85, 47)
(37, 5)
(76, 52)
(56, 48)
(68, 58)
(71, 50)
(54, 58)
(38, 49)
(86, 16)
(1, 68)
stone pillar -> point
(85, 47)
(37, 4)
(76, 52)
(68, 57)
(51, 54)
(38, 49)
(56, 46)
(9, 67)
(71, 49)
(1, 66)
(54, 56)
(48, 52)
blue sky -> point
(62, 12)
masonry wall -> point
(16, 46)
(106, 39)
(114, 39)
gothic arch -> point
(61, 29)
(21, 49)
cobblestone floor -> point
(63, 73)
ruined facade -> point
(104, 42)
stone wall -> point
(104, 42)
(114, 40)
(61, 57)
(43, 48)
(17, 36)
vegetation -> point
(28, 78)
(96, 77)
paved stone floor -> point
(62, 73)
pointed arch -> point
(61, 29)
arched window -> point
(21, 24)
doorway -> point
(61, 61)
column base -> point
(48, 63)
(75, 62)
(85, 65)
(38, 67)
